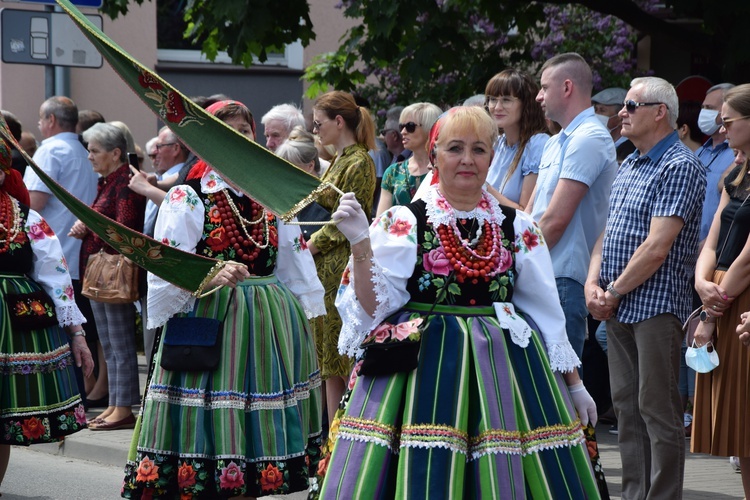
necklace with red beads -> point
(10, 222)
(254, 235)
(475, 258)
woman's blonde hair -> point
(357, 118)
(738, 98)
(471, 118)
(299, 149)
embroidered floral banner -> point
(271, 181)
(186, 270)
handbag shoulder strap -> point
(230, 299)
(726, 238)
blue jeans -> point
(574, 307)
(601, 336)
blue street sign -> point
(79, 3)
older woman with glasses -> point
(107, 144)
(339, 122)
(511, 101)
(401, 180)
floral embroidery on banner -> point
(137, 248)
(169, 104)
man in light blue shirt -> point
(715, 154)
(571, 198)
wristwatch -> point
(79, 333)
(615, 293)
(705, 318)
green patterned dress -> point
(353, 171)
(401, 183)
(39, 398)
(252, 426)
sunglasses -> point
(386, 130)
(630, 105)
(409, 126)
(725, 122)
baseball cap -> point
(610, 96)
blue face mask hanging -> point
(700, 359)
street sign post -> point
(49, 38)
(78, 3)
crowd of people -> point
(498, 237)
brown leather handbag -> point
(112, 279)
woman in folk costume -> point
(248, 427)
(485, 413)
(39, 398)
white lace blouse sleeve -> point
(50, 270)
(535, 292)
(295, 268)
(393, 238)
(178, 224)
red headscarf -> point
(200, 167)
(432, 141)
(13, 184)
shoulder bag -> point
(110, 278)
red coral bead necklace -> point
(255, 233)
(479, 262)
(10, 222)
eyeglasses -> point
(386, 130)
(630, 105)
(317, 124)
(159, 146)
(725, 122)
(409, 126)
(505, 101)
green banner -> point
(186, 270)
(271, 181)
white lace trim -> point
(158, 316)
(471, 453)
(353, 332)
(311, 302)
(69, 314)
(437, 215)
(562, 357)
(520, 331)
(313, 308)
(561, 443)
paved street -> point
(89, 466)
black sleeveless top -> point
(219, 242)
(430, 274)
(18, 259)
(736, 215)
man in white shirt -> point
(62, 156)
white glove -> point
(584, 404)
(351, 220)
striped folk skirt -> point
(480, 417)
(39, 397)
(249, 427)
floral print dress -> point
(485, 414)
(252, 426)
(39, 398)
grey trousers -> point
(116, 326)
(644, 364)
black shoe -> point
(102, 402)
(608, 417)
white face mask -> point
(604, 119)
(707, 121)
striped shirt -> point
(667, 181)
